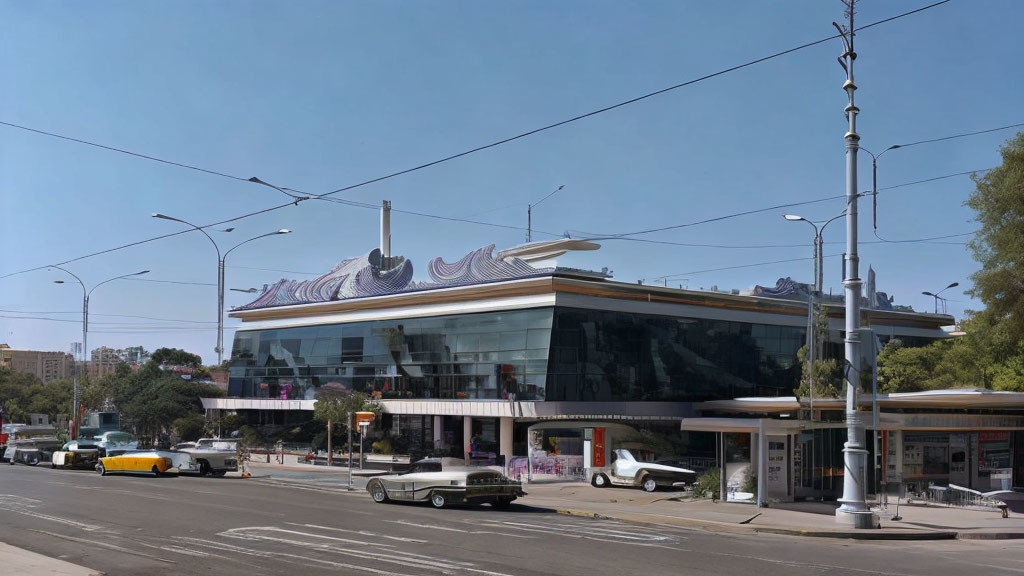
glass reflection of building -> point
(552, 353)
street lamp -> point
(245, 290)
(811, 344)
(220, 275)
(85, 327)
(818, 244)
(937, 298)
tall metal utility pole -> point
(854, 510)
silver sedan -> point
(444, 487)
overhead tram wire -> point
(505, 140)
(108, 315)
(435, 162)
(587, 235)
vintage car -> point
(628, 471)
(426, 481)
(113, 443)
(141, 462)
(213, 456)
(30, 450)
(76, 454)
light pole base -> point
(857, 519)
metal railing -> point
(959, 496)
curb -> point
(991, 535)
(723, 527)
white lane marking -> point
(65, 521)
(285, 557)
(392, 556)
(106, 545)
(435, 527)
(231, 532)
(360, 532)
(16, 498)
(584, 531)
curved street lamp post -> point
(86, 294)
(220, 274)
(937, 297)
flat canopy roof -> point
(952, 398)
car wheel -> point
(502, 503)
(648, 484)
(438, 499)
(204, 467)
(101, 469)
(155, 470)
(599, 481)
(378, 493)
(53, 466)
(33, 460)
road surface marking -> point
(360, 532)
(391, 556)
(106, 545)
(435, 527)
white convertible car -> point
(427, 482)
(628, 471)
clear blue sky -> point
(318, 95)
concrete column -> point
(505, 439)
(467, 436)
(438, 430)
(762, 465)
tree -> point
(999, 247)
(826, 373)
(176, 357)
(335, 406)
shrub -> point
(707, 485)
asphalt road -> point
(125, 525)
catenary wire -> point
(448, 158)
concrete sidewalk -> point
(815, 519)
(25, 563)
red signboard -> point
(599, 447)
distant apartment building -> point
(103, 361)
(47, 366)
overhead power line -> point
(108, 316)
(435, 162)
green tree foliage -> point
(149, 400)
(826, 373)
(991, 352)
(176, 357)
(998, 200)
(22, 394)
(189, 428)
(335, 406)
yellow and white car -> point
(142, 462)
(75, 454)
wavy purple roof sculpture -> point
(361, 277)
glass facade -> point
(469, 356)
(619, 356)
(565, 354)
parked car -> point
(428, 482)
(76, 454)
(143, 462)
(213, 456)
(30, 451)
(628, 471)
(113, 443)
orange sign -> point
(364, 417)
(598, 447)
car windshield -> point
(426, 466)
